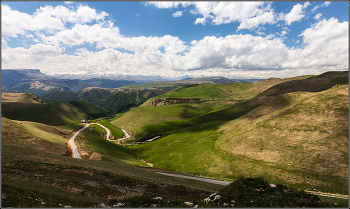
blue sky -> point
(175, 39)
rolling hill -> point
(51, 114)
(36, 171)
(291, 131)
(116, 100)
(282, 129)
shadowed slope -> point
(51, 114)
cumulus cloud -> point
(324, 47)
(249, 14)
(177, 14)
(48, 18)
(296, 14)
(14, 22)
(83, 14)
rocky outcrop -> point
(169, 101)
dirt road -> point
(74, 147)
(213, 181)
(109, 133)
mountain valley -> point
(291, 131)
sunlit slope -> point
(235, 91)
(222, 109)
(20, 97)
(36, 135)
(51, 114)
(300, 138)
(310, 133)
(213, 97)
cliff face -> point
(169, 101)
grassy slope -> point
(313, 128)
(211, 158)
(52, 114)
(24, 144)
(109, 150)
(93, 111)
(234, 149)
(115, 131)
(20, 97)
(224, 95)
(31, 134)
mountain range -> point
(33, 81)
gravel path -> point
(109, 133)
(213, 181)
(72, 144)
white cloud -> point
(318, 16)
(249, 14)
(14, 22)
(315, 8)
(296, 14)
(324, 48)
(83, 14)
(48, 18)
(326, 3)
(177, 14)
(163, 4)
(306, 4)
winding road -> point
(75, 148)
(109, 133)
(213, 181)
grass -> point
(20, 97)
(37, 184)
(55, 114)
(258, 156)
(110, 151)
(141, 116)
(303, 132)
(220, 103)
(288, 140)
(115, 131)
(287, 137)
(218, 91)
(38, 177)
(25, 133)
(58, 185)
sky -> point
(176, 39)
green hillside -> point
(283, 129)
(294, 144)
(226, 102)
(36, 172)
(51, 114)
(122, 100)
(92, 95)
(93, 111)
